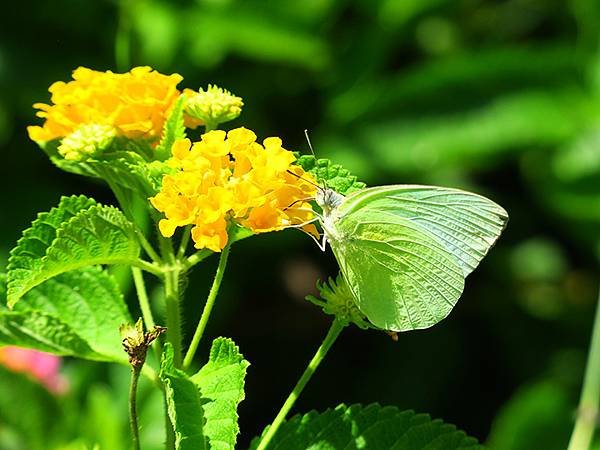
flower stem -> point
(172, 297)
(135, 433)
(587, 413)
(210, 301)
(142, 294)
(200, 255)
(185, 239)
(333, 333)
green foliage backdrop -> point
(498, 97)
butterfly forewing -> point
(467, 224)
(405, 250)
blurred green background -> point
(498, 97)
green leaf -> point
(221, 384)
(84, 305)
(331, 175)
(173, 129)
(184, 405)
(65, 239)
(128, 170)
(41, 331)
(372, 427)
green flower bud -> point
(213, 106)
(336, 299)
(86, 142)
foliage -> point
(499, 98)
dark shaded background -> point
(498, 97)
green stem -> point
(147, 247)
(140, 287)
(333, 333)
(200, 255)
(587, 412)
(148, 267)
(185, 239)
(135, 375)
(142, 294)
(210, 301)
(172, 299)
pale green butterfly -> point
(405, 250)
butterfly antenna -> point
(304, 179)
(313, 153)
(309, 144)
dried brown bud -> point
(136, 342)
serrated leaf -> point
(85, 304)
(41, 331)
(173, 129)
(184, 405)
(330, 175)
(126, 169)
(221, 384)
(96, 235)
(370, 427)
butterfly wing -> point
(405, 250)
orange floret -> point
(230, 178)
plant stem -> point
(587, 412)
(135, 375)
(148, 267)
(200, 255)
(333, 333)
(142, 294)
(140, 287)
(147, 247)
(172, 297)
(210, 301)
(185, 239)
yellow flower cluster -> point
(135, 103)
(229, 177)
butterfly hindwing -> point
(405, 250)
(402, 278)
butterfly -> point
(405, 250)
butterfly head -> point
(328, 200)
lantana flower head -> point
(212, 106)
(135, 103)
(230, 178)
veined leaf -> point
(221, 384)
(84, 304)
(41, 331)
(183, 405)
(368, 427)
(173, 129)
(94, 235)
(331, 175)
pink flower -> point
(41, 366)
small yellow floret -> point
(230, 178)
(213, 106)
